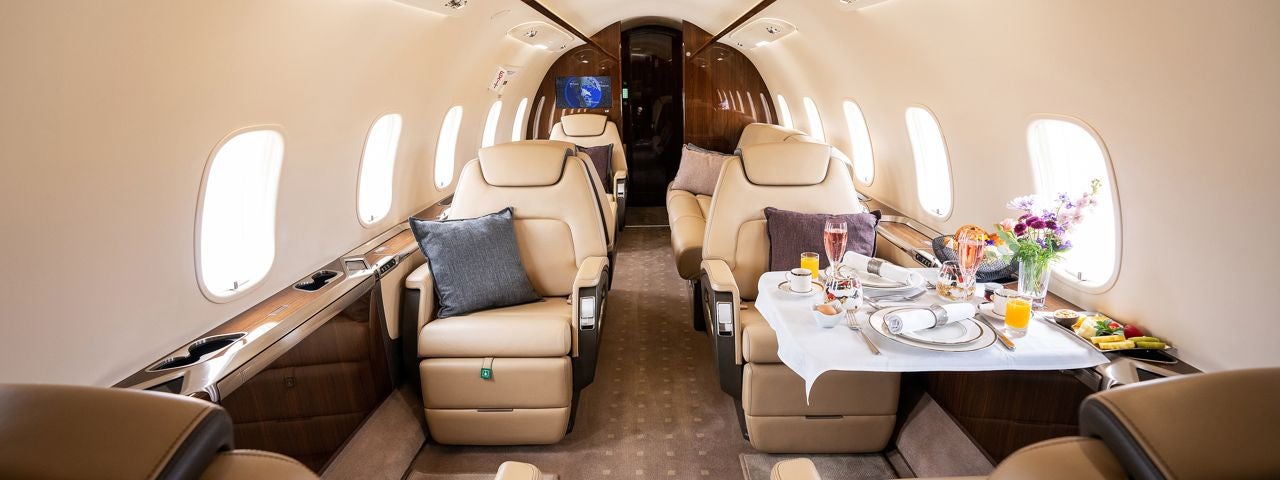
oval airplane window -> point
(236, 216)
(491, 125)
(864, 166)
(815, 120)
(1066, 157)
(377, 165)
(784, 112)
(517, 124)
(933, 169)
(446, 146)
(537, 116)
(764, 105)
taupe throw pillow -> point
(699, 170)
(475, 263)
(793, 233)
(602, 158)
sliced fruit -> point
(1131, 331)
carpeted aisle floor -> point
(655, 409)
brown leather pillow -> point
(699, 170)
(602, 158)
(793, 233)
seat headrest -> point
(786, 163)
(530, 163)
(757, 133)
(1157, 428)
(584, 124)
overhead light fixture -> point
(761, 32)
(541, 35)
(455, 4)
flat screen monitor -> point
(584, 92)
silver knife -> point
(999, 335)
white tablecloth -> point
(811, 350)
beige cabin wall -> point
(111, 111)
(1183, 94)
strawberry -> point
(1131, 331)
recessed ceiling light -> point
(455, 4)
(761, 43)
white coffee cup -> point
(1000, 299)
(800, 280)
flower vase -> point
(1033, 280)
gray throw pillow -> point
(699, 170)
(475, 263)
(602, 158)
(793, 233)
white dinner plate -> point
(953, 333)
(986, 339)
(785, 287)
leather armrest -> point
(518, 471)
(420, 278)
(795, 469)
(721, 279)
(591, 281)
(1066, 458)
(238, 464)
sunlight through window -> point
(237, 218)
(491, 125)
(1066, 157)
(517, 124)
(377, 165)
(864, 166)
(815, 120)
(933, 170)
(784, 112)
(446, 146)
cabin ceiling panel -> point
(591, 16)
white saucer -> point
(785, 287)
(989, 309)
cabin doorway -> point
(653, 111)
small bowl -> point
(828, 321)
(1065, 317)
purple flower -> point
(1024, 217)
(1066, 245)
(1022, 203)
(1051, 225)
(1019, 229)
(1035, 223)
(1040, 241)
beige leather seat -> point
(593, 130)
(541, 354)
(846, 411)
(1214, 425)
(687, 212)
(63, 431)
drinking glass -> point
(1017, 314)
(950, 282)
(835, 235)
(809, 260)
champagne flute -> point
(835, 235)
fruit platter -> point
(1105, 334)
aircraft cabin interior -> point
(639, 239)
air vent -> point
(760, 32)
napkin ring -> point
(939, 315)
(873, 266)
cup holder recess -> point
(316, 281)
(198, 351)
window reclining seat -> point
(847, 412)
(1213, 425)
(541, 353)
(593, 130)
(687, 211)
(65, 431)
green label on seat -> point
(486, 373)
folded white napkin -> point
(887, 270)
(922, 318)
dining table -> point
(812, 350)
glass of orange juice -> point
(809, 260)
(1017, 315)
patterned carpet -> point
(655, 409)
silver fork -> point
(875, 303)
(852, 321)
